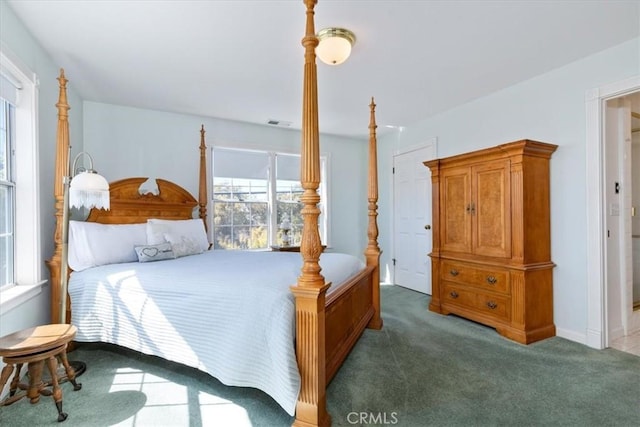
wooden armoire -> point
(491, 257)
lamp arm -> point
(72, 172)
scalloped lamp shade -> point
(89, 190)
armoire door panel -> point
(491, 209)
(455, 201)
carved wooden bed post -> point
(62, 164)
(311, 289)
(372, 253)
(202, 193)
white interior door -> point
(412, 218)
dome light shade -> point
(334, 45)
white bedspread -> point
(228, 313)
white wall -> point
(548, 108)
(126, 142)
(21, 43)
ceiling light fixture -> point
(335, 45)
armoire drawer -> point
(492, 279)
(458, 295)
(496, 306)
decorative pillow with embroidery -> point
(183, 245)
(158, 252)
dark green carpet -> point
(422, 369)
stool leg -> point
(15, 381)
(35, 380)
(71, 374)
(4, 376)
(57, 391)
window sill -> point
(18, 295)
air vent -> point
(281, 123)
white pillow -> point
(183, 245)
(92, 244)
(190, 228)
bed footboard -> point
(347, 313)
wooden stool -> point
(34, 346)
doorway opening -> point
(622, 223)
(635, 199)
(607, 297)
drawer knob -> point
(453, 294)
(491, 280)
(454, 272)
(492, 305)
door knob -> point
(427, 227)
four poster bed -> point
(328, 317)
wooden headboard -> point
(128, 206)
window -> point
(288, 192)
(7, 194)
(20, 250)
(252, 190)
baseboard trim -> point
(594, 339)
(571, 335)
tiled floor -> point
(628, 344)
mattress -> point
(228, 313)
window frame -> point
(273, 226)
(8, 112)
(28, 260)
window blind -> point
(9, 87)
(240, 164)
(288, 167)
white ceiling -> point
(243, 60)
